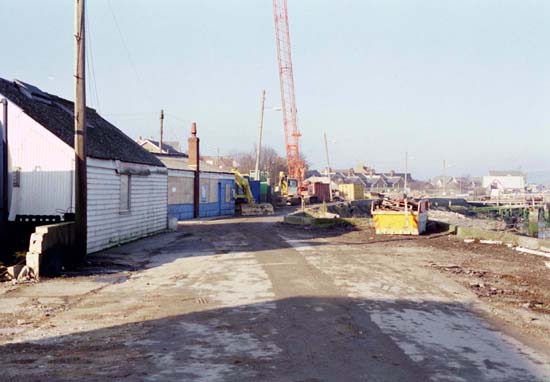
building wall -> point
(180, 194)
(216, 194)
(43, 165)
(507, 182)
(108, 223)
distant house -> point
(126, 184)
(421, 186)
(372, 182)
(505, 181)
(170, 147)
(222, 162)
(396, 181)
(315, 173)
(338, 177)
(449, 184)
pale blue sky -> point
(466, 81)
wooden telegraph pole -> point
(161, 129)
(80, 132)
(259, 148)
(328, 166)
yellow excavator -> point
(244, 200)
(288, 190)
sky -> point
(465, 82)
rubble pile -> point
(388, 204)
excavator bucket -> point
(253, 209)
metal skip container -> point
(410, 221)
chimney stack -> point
(194, 155)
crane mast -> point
(286, 77)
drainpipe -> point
(4, 216)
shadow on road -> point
(293, 339)
(202, 238)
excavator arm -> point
(244, 187)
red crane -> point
(288, 99)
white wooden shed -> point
(127, 186)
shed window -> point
(125, 193)
(203, 193)
(227, 193)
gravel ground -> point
(251, 299)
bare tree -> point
(270, 162)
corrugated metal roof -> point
(104, 141)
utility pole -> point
(161, 129)
(444, 177)
(81, 196)
(259, 149)
(406, 170)
(405, 191)
(328, 166)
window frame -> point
(125, 209)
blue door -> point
(220, 198)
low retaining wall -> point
(505, 237)
(50, 248)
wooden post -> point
(259, 149)
(405, 197)
(161, 130)
(80, 132)
(328, 166)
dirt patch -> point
(515, 286)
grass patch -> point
(329, 223)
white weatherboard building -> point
(127, 186)
(506, 181)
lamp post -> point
(405, 191)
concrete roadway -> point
(252, 300)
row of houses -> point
(502, 181)
(132, 192)
(371, 180)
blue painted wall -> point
(221, 207)
(227, 208)
(180, 211)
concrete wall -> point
(506, 237)
(50, 248)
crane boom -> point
(288, 99)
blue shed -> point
(216, 196)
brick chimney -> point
(194, 154)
